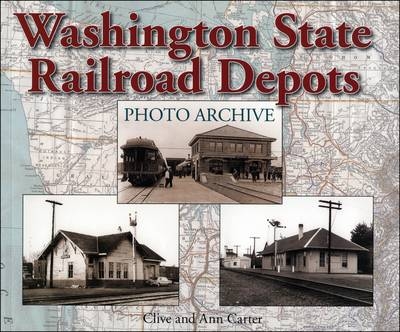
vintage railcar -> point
(143, 163)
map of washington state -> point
(332, 145)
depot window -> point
(219, 147)
(252, 147)
(101, 270)
(118, 270)
(322, 258)
(258, 148)
(239, 147)
(212, 146)
(111, 270)
(70, 270)
(125, 270)
(344, 260)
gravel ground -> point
(242, 290)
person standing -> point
(167, 174)
(168, 177)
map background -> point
(333, 145)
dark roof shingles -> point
(320, 240)
(230, 131)
(90, 244)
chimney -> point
(226, 249)
(300, 231)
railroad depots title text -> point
(180, 41)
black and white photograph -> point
(199, 152)
(309, 251)
(88, 250)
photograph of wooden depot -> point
(93, 251)
(200, 161)
(307, 251)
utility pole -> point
(275, 224)
(133, 223)
(236, 246)
(254, 250)
(331, 206)
(54, 203)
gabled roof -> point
(87, 243)
(104, 244)
(231, 132)
(314, 239)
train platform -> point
(362, 281)
(184, 190)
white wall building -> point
(104, 261)
(308, 252)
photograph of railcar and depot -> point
(309, 251)
(88, 250)
(232, 153)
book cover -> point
(209, 165)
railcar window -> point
(151, 155)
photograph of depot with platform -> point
(309, 251)
(224, 152)
(87, 250)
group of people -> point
(271, 174)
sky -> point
(172, 137)
(239, 222)
(100, 215)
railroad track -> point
(351, 294)
(105, 300)
(142, 194)
(251, 192)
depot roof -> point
(314, 239)
(95, 245)
(228, 131)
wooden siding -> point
(65, 252)
(312, 262)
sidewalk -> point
(186, 190)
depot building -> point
(103, 261)
(226, 148)
(308, 252)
